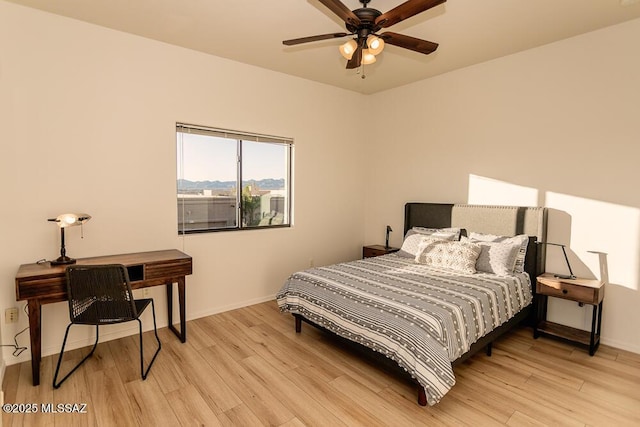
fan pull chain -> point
(358, 72)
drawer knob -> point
(564, 291)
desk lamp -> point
(64, 221)
(386, 242)
(561, 276)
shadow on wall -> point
(580, 223)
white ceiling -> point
(251, 31)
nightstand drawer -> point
(569, 291)
(377, 250)
(371, 252)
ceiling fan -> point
(365, 22)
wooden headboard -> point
(500, 220)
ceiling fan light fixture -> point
(362, 24)
(347, 49)
(375, 44)
(368, 57)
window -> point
(229, 180)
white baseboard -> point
(105, 335)
(162, 323)
(621, 345)
(230, 307)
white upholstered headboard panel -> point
(501, 220)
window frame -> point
(240, 137)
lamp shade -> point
(375, 44)
(604, 268)
(71, 219)
(368, 57)
(348, 48)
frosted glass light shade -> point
(375, 44)
(348, 49)
(71, 219)
(368, 57)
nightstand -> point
(377, 250)
(582, 291)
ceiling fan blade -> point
(408, 42)
(356, 59)
(404, 11)
(337, 7)
(293, 42)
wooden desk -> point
(43, 284)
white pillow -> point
(521, 239)
(451, 255)
(496, 257)
(430, 231)
(409, 247)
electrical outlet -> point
(312, 263)
(145, 292)
(11, 315)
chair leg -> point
(64, 342)
(155, 331)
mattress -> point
(421, 317)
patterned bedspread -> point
(420, 317)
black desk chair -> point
(101, 295)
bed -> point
(423, 316)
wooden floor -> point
(248, 367)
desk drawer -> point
(174, 268)
(569, 291)
(53, 288)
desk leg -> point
(35, 335)
(182, 334)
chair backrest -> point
(99, 294)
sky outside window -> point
(213, 158)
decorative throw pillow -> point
(430, 231)
(521, 239)
(451, 255)
(496, 257)
(409, 247)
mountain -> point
(262, 184)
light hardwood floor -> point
(248, 367)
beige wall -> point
(88, 118)
(555, 126)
